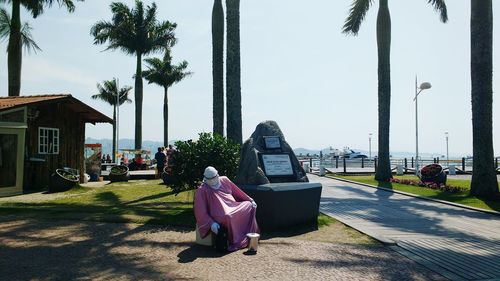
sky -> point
(297, 68)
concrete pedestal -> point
(282, 205)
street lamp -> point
(447, 155)
(117, 105)
(370, 145)
(423, 86)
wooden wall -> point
(71, 144)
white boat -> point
(347, 153)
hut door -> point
(11, 161)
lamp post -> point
(117, 105)
(418, 90)
(447, 154)
(370, 145)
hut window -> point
(48, 140)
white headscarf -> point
(211, 177)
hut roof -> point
(90, 115)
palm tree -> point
(357, 13)
(218, 66)
(26, 39)
(163, 73)
(15, 57)
(233, 69)
(484, 180)
(109, 92)
(135, 32)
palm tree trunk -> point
(165, 117)
(233, 77)
(218, 67)
(114, 134)
(138, 102)
(383, 172)
(484, 181)
(15, 54)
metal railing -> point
(346, 165)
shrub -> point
(190, 159)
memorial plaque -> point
(277, 164)
(272, 142)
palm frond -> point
(134, 31)
(108, 92)
(163, 73)
(27, 40)
(440, 6)
(35, 7)
(357, 14)
(4, 24)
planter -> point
(119, 173)
(433, 173)
(62, 180)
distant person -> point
(108, 159)
(160, 158)
(170, 158)
(141, 165)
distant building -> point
(39, 134)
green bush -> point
(192, 157)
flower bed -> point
(442, 187)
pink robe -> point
(228, 206)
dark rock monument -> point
(271, 174)
(267, 145)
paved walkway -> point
(458, 243)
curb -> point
(418, 196)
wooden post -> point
(463, 164)
(437, 160)
(406, 163)
(343, 160)
(362, 162)
(310, 162)
(412, 162)
(375, 164)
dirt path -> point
(69, 250)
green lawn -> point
(138, 201)
(151, 202)
(460, 198)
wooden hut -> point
(39, 134)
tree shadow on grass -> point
(151, 197)
(108, 198)
(493, 203)
(37, 249)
